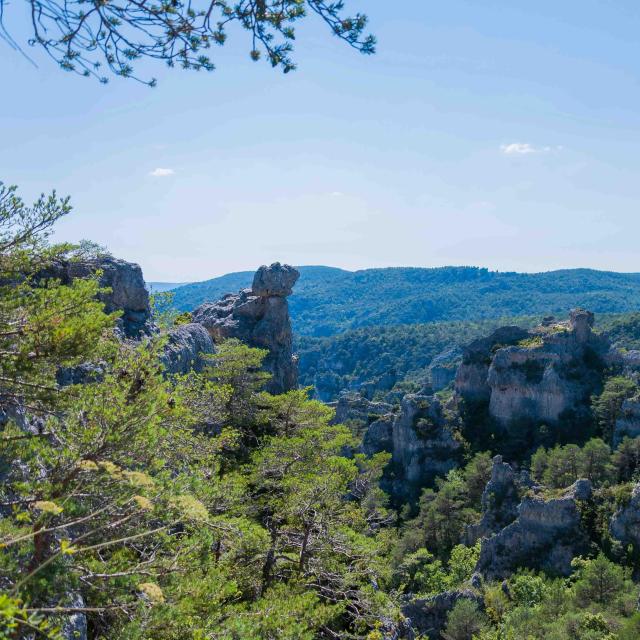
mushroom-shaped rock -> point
(259, 317)
(275, 280)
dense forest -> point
(137, 503)
(328, 300)
(379, 359)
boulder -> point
(625, 524)
(186, 349)
(443, 368)
(424, 445)
(428, 616)
(546, 535)
(260, 321)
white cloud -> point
(161, 173)
(524, 148)
(337, 194)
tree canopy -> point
(89, 36)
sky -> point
(496, 133)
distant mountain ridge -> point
(161, 287)
(329, 300)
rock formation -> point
(127, 289)
(625, 524)
(186, 349)
(428, 616)
(424, 445)
(500, 500)
(356, 410)
(471, 378)
(546, 535)
(628, 424)
(419, 440)
(443, 368)
(537, 376)
(259, 317)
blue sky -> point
(497, 133)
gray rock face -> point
(353, 406)
(628, 424)
(260, 321)
(471, 378)
(186, 349)
(553, 372)
(276, 280)
(546, 535)
(428, 616)
(500, 501)
(128, 292)
(443, 368)
(421, 444)
(625, 524)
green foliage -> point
(607, 407)
(328, 301)
(465, 621)
(420, 573)
(563, 465)
(171, 506)
(178, 33)
(443, 515)
(598, 580)
(527, 589)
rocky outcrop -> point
(443, 368)
(355, 407)
(538, 376)
(471, 378)
(628, 423)
(186, 349)
(500, 500)
(428, 616)
(546, 535)
(259, 317)
(127, 292)
(625, 524)
(424, 446)
(421, 443)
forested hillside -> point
(328, 300)
(152, 489)
(377, 359)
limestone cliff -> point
(259, 317)
(500, 500)
(127, 292)
(186, 349)
(546, 535)
(538, 376)
(628, 423)
(625, 524)
(418, 437)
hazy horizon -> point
(330, 266)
